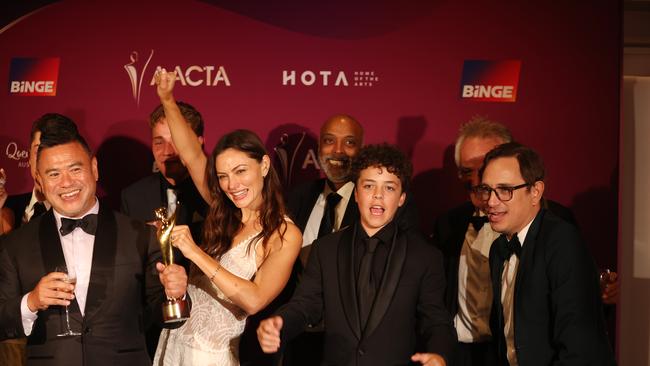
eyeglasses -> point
(503, 193)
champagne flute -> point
(71, 278)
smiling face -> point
(165, 155)
(241, 178)
(68, 177)
(379, 194)
(511, 216)
(340, 140)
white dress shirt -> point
(313, 223)
(29, 210)
(77, 249)
(508, 278)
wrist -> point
(30, 304)
(167, 100)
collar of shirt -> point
(345, 191)
(521, 235)
(58, 216)
(385, 234)
(30, 207)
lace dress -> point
(211, 335)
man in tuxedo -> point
(116, 293)
(377, 287)
(318, 208)
(465, 243)
(171, 186)
(546, 305)
(27, 206)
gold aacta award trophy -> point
(173, 310)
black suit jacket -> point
(140, 199)
(408, 306)
(124, 292)
(558, 316)
(18, 203)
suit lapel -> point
(103, 264)
(50, 243)
(389, 282)
(52, 253)
(307, 204)
(351, 212)
(528, 250)
(347, 285)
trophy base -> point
(175, 310)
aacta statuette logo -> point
(136, 78)
(34, 76)
(361, 78)
(490, 81)
(193, 75)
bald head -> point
(341, 136)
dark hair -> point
(60, 130)
(191, 115)
(383, 155)
(531, 166)
(51, 120)
(224, 218)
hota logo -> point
(361, 78)
(34, 76)
(193, 75)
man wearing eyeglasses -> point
(465, 240)
(546, 307)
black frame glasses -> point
(503, 193)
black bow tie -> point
(87, 223)
(478, 221)
(508, 248)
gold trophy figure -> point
(173, 310)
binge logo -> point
(490, 81)
(34, 76)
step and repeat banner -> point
(410, 72)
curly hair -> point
(383, 155)
(224, 219)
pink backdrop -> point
(567, 103)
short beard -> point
(332, 174)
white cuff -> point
(28, 316)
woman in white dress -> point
(249, 246)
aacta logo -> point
(194, 75)
(328, 78)
(34, 76)
(490, 81)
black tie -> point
(39, 209)
(327, 222)
(478, 221)
(87, 223)
(366, 283)
(508, 248)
